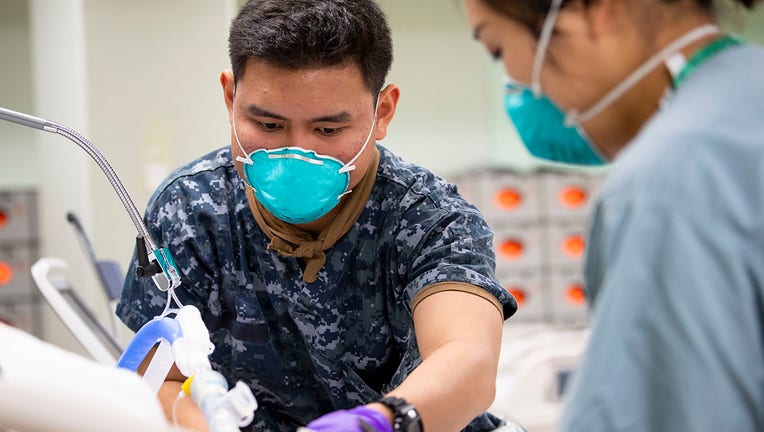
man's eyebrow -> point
(261, 112)
(478, 28)
(343, 117)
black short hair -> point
(300, 34)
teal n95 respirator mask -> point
(297, 185)
(550, 133)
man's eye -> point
(329, 131)
(268, 126)
(496, 54)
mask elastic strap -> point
(349, 166)
(546, 36)
(574, 118)
(246, 159)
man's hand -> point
(358, 419)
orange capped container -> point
(511, 249)
(6, 273)
(573, 197)
(518, 293)
(508, 199)
(574, 246)
(576, 295)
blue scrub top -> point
(675, 265)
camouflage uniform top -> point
(306, 349)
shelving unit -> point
(20, 303)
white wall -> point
(450, 116)
(139, 79)
(154, 96)
(18, 151)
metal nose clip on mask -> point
(554, 135)
(294, 184)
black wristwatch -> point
(406, 417)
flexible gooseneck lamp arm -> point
(152, 261)
(183, 339)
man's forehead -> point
(316, 92)
(348, 72)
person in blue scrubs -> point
(675, 257)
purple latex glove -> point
(358, 419)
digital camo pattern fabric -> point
(306, 349)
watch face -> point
(406, 416)
(407, 419)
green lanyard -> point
(704, 54)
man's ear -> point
(226, 81)
(388, 101)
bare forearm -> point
(188, 415)
(450, 389)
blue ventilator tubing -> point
(157, 330)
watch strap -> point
(405, 416)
